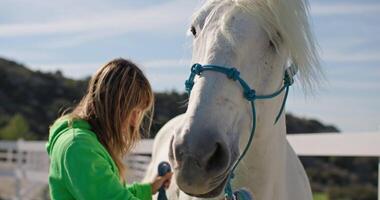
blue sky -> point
(77, 37)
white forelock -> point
(287, 25)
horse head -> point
(255, 39)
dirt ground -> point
(8, 186)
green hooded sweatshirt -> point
(81, 168)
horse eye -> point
(193, 31)
(271, 44)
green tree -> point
(17, 127)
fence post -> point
(18, 170)
(378, 180)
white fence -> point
(344, 144)
(29, 161)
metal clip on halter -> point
(163, 168)
(242, 194)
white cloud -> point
(329, 8)
(363, 85)
(82, 69)
(72, 70)
(344, 42)
(348, 114)
(166, 63)
(164, 17)
(75, 40)
(30, 55)
(24, 11)
(335, 56)
(167, 81)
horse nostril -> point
(178, 149)
(218, 159)
(178, 153)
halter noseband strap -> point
(250, 95)
(234, 74)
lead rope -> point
(250, 95)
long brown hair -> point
(114, 93)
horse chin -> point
(213, 193)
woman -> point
(86, 147)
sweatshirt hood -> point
(60, 126)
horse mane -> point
(287, 25)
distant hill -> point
(302, 125)
(35, 99)
(35, 96)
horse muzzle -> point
(201, 162)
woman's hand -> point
(161, 181)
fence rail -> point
(336, 144)
(29, 161)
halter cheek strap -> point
(250, 95)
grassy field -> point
(320, 196)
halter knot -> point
(233, 74)
(197, 68)
(288, 80)
(290, 72)
(250, 95)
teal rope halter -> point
(250, 95)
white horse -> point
(260, 38)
